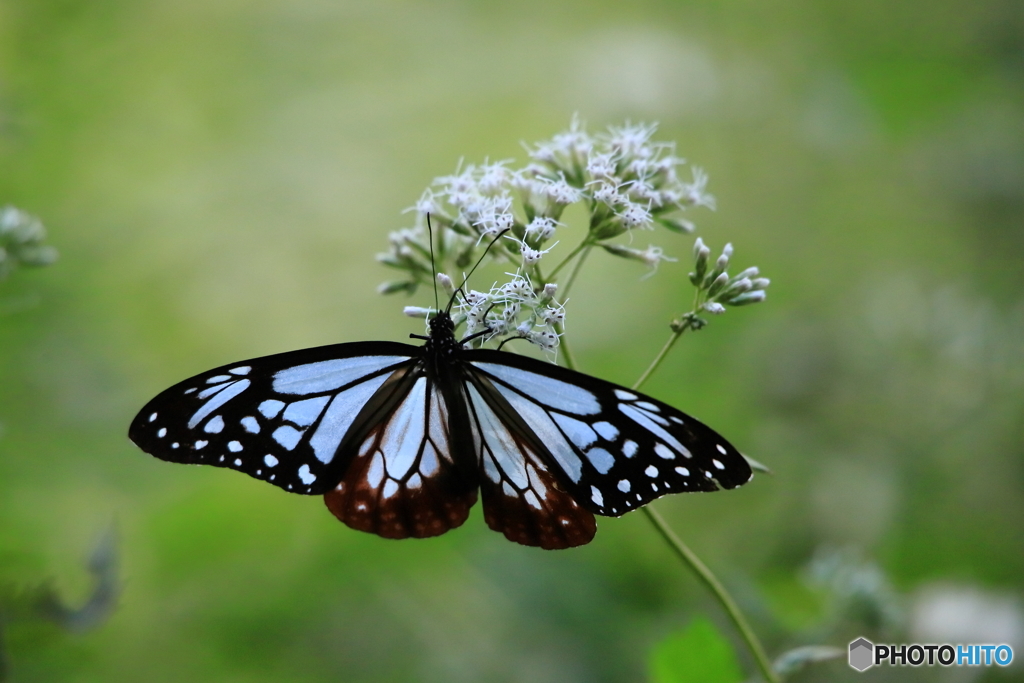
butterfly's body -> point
(400, 438)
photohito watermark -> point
(864, 654)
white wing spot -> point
(152, 417)
(718, 464)
(241, 370)
(625, 395)
(225, 395)
(707, 474)
(234, 446)
(305, 413)
(215, 425)
(414, 482)
(508, 490)
(272, 477)
(238, 462)
(190, 391)
(601, 459)
(201, 444)
(162, 433)
(174, 445)
(390, 488)
(250, 425)
(259, 473)
(270, 408)
(629, 449)
(664, 451)
(580, 433)
(218, 379)
(651, 471)
(288, 437)
(306, 476)
(683, 471)
(639, 497)
(721, 449)
(607, 430)
(376, 473)
(221, 459)
(270, 460)
(676, 420)
(654, 487)
(624, 485)
(647, 405)
(532, 500)
(596, 496)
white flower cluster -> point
(21, 237)
(513, 310)
(624, 180)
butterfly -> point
(400, 439)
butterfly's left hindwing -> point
(279, 418)
(616, 449)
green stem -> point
(715, 586)
(575, 271)
(688, 556)
(551, 276)
(567, 356)
(660, 357)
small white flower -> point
(636, 216)
(427, 204)
(694, 192)
(607, 194)
(601, 165)
(630, 139)
(546, 339)
(494, 176)
(561, 192)
(541, 227)
(531, 255)
(553, 316)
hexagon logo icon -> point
(862, 654)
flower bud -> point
(417, 311)
(446, 284)
(718, 284)
(714, 308)
(754, 297)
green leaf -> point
(697, 653)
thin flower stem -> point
(660, 357)
(567, 356)
(715, 586)
(694, 562)
(575, 271)
(551, 276)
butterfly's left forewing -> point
(279, 418)
(617, 449)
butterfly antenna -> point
(471, 270)
(433, 268)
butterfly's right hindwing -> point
(279, 418)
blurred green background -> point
(219, 174)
